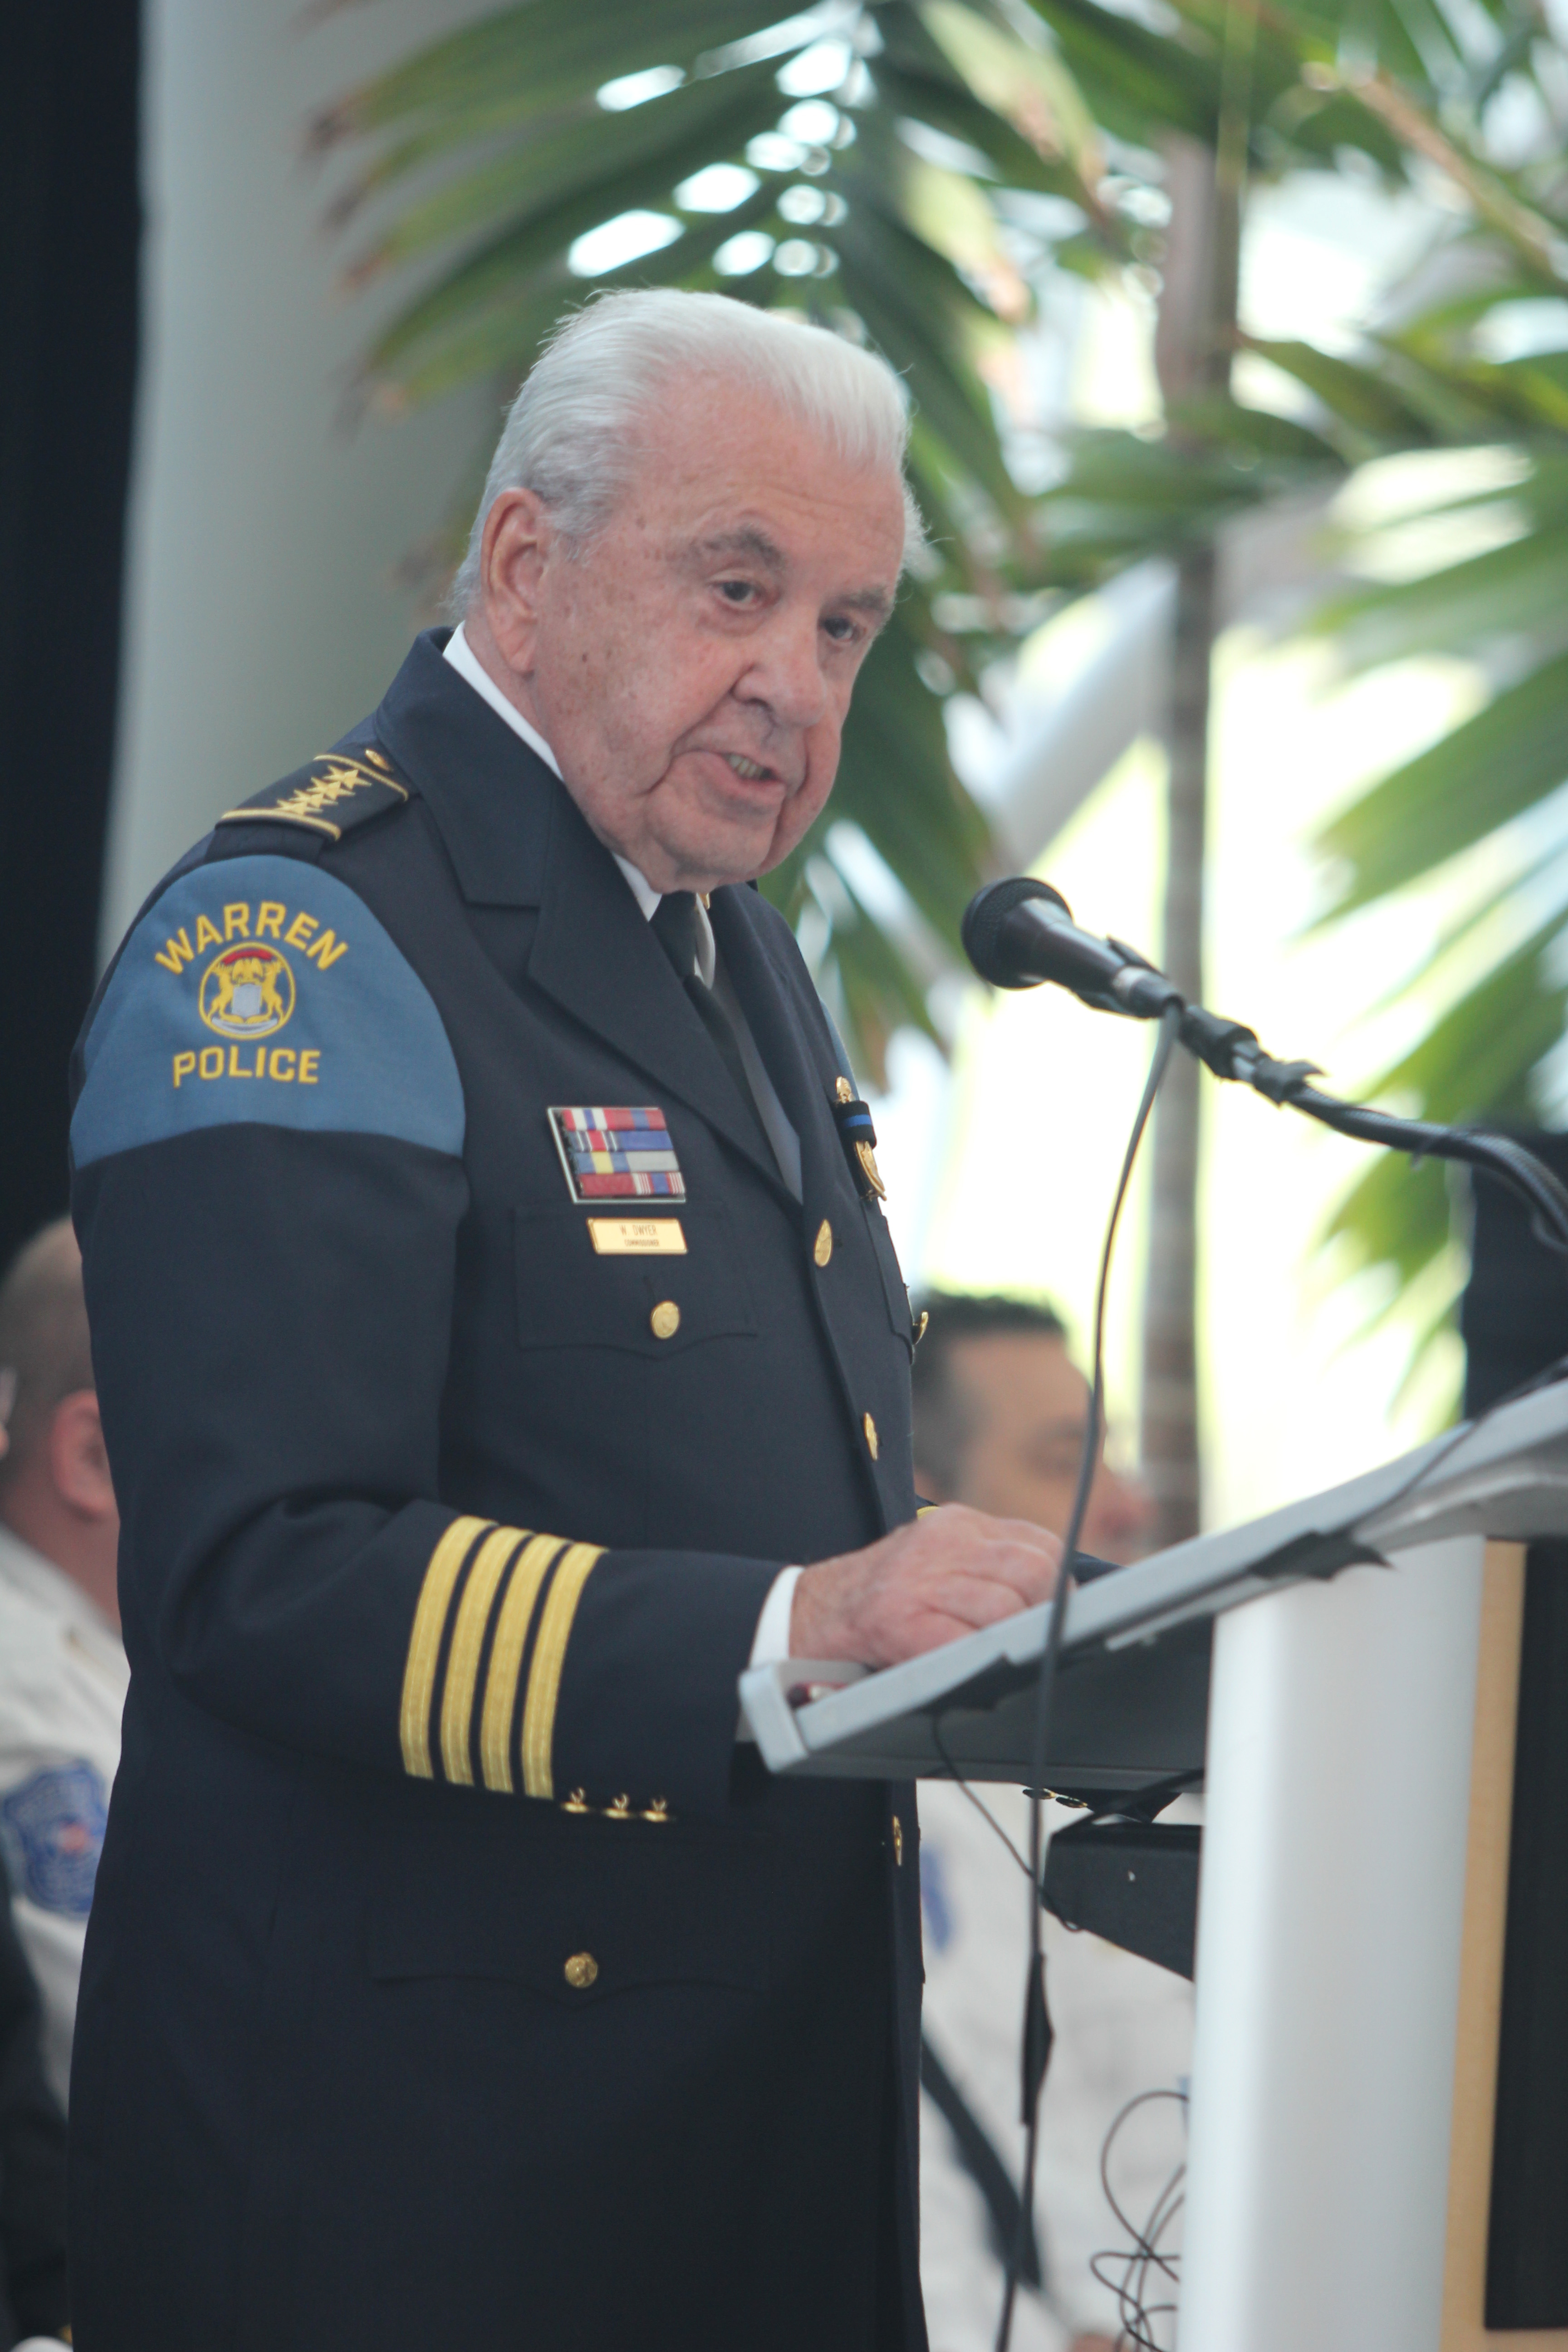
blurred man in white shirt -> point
(1000, 1414)
(63, 1674)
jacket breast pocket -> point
(576, 1908)
(569, 1295)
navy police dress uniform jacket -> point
(455, 1976)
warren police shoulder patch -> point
(51, 1834)
(261, 990)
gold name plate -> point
(637, 1236)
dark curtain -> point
(71, 208)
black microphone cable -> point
(1036, 2035)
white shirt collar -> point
(467, 664)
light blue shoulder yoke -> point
(261, 990)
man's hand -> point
(944, 1575)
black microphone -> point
(1020, 932)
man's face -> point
(691, 668)
(1028, 1406)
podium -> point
(1340, 1674)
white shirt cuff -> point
(771, 1645)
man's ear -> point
(513, 553)
(79, 1459)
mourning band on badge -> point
(852, 1118)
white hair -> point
(571, 434)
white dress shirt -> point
(63, 1679)
(771, 1641)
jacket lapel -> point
(596, 954)
(516, 838)
(769, 1004)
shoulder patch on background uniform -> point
(261, 990)
(338, 791)
(51, 1834)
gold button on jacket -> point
(873, 1443)
(822, 1249)
(580, 1970)
(665, 1319)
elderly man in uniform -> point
(62, 1664)
(501, 1344)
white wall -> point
(264, 609)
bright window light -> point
(814, 123)
(769, 152)
(635, 89)
(796, 257)
(1518, 331)
(717, 188)
(739, 255)
(616, 242)
(802, 206)
(821, 67)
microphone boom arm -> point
(1232, 1052)
(1020, 932)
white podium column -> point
(1328, 1961)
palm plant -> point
(911, 172)
(947, 155)
(901, 201)
(1436, 381)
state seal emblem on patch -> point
(248, 991)
(617, 1152)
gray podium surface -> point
(1318, 1667)
(1132, 1698)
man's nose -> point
(785, 672)
(1118, 1517)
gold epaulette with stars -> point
(338, 791)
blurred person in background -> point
(1000, 1416)
(63, 1674)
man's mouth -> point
(751, 770)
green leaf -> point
(1031, 88)
(1476, 1062)
(1396, 1215)
(1138, 83)
(915, 307)
(573, 165)
(548, 52)
(1521, 586)
(949, 108)
(1492, 768)
(1361, 396)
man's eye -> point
(737, 592)
(842, 630)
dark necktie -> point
(674, 925)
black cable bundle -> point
(1036, 2013)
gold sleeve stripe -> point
(506, 1659)
(467, 1642)
(545, 1673)
(425, 1643)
